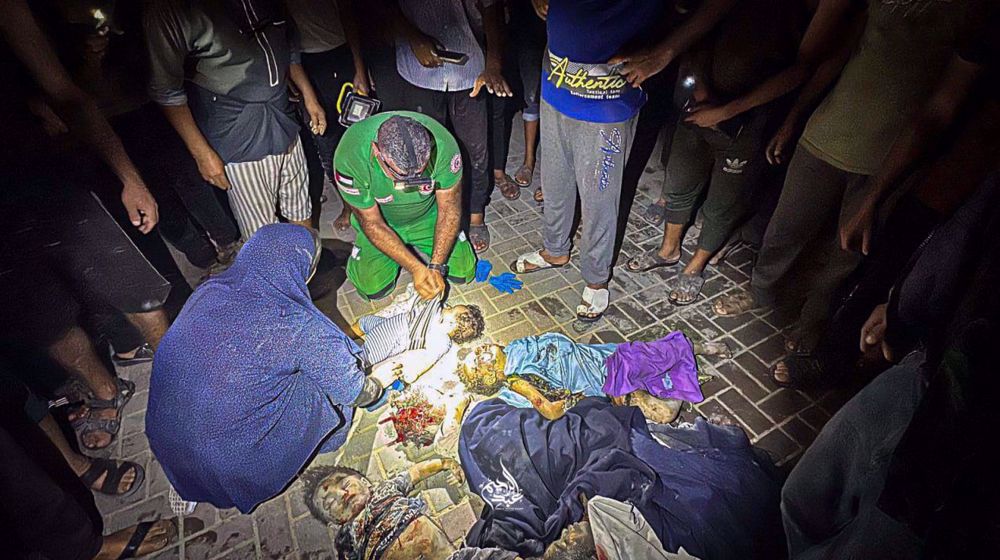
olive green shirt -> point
(899, 60)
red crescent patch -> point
(456, 163)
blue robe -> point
(252, 378)
(707, 490)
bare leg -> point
(77, 462)
(152, 324)
(670, 249)
(530, 142)
(75, 353)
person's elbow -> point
(168, 96)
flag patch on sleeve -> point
(345, 183)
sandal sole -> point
(513, 268)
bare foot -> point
(81, 464)
(343, 221)
(660, 411)
(781, 372)
(158, 537)
(95, 439)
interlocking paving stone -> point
(745, 411)
(274, 531)
(283, 527)
(231, 533)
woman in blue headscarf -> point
(252, 378)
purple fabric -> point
(665, 368)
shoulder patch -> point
(345, 183)
(456, 163)
(385, 200)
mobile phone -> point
(452, 57)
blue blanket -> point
(708, 491)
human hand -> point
(428, 283)
(213, 170)
(360, 82)
(141, 206)
(640, 65)
(873, 333)
(856, 234)
(454, 469)
(424, 49)
(387, 372)
(707, 115)
(782, 144)
(317, 117)
(494, 83)
(541, 8)
(506, 283)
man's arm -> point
(317, 116)
(492, 76)
(548, 409)
(431, 467)
(449, 203)
(812, 93)
(166, 43)
(345, 8)
(210, 165)
(19, 28)
(420, 43)
(828, 26)
(640, 65)
(937, 114)
(427, 282)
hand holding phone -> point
(451, 57)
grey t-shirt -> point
(207, 54)
(319, 24)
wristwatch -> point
(442, 269)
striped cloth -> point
(386, 337)
(261, 188)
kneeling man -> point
(400, 172)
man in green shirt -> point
(401, 173)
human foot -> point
(142, 539)
(687, 288)
(797, 371)
(734, 304)
(537, 260)
(595, 303)
(508, 188)
(97, 421)
(656, 212)
(524, 174)
(538, 196)
(651, 259)
(107, 476)
(343, 221)
(479, 237)
(720, 349)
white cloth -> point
(622, 533)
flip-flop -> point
(508, 188)
(655, 213)
(649, 260)
(521, 172)
(535, 259)
(113, 472)
(689, 285)
(479, 234)
(139, 537)
(595, 303)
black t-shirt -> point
(980, 45)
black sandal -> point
(804, 372)
(87, 424)
(113, 472)
(139, 537)
(649, 260)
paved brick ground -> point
(781, 421)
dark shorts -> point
(61, 251)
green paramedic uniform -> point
(412, 215)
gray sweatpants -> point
(586, 158)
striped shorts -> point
(263, 188)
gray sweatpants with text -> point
(586, 158)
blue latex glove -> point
(396, 385)
(483, 268)
(506, 283)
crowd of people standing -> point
(853, 144)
